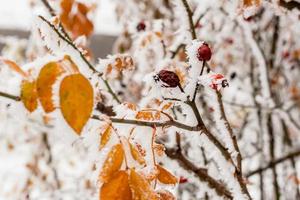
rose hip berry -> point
(141, 26)
(204, 52)
(169, 78)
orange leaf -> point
(148, 115)
(76, 100)
(167, 106)
(136, 155)
(117, 188)
(140, 187)
(165, 195)
(29, 95)
(112, 163)
(105, 137)
(165, 177)
(14, 66)
(248, 3)
(45, 81)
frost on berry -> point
(204, 52)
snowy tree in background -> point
(199, 100)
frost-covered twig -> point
(152, 124)
(46, 143)
(190, 16)
(82, 56)
(229, 129)
(202, 173)
(71, 44)
(275, 162)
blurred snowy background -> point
(25, 148)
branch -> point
(219, 187)
(10, 96)
(229, 129)
(50, 159)
(152, 124)
(290, 5)
(274, 163)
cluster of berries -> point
(171, 80)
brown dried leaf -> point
(140, 187)
(112, 163)
(117, 188)
(45, 81)
(137, 156)
(165, 177)
(76, 100)
(29, 95)
(105, 136)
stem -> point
(111, 91)
(10, 96)
(190, 16)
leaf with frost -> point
(113, 163)
(29, 95)
(137, 156)
(105, 136)
(140, 187)
(117, 188)
(46, 78)
(165, 177)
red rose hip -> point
(204, 52)
(169, 78)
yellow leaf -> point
(164, 176)
(140, 187)
(136, 155)
(76, 100)
(117, 188)
(45, 81)
(112, 163)
(105, 137)
(29, 95)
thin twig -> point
(45, 141)
(275, 162)
(190, 16)
(82, 56)
(202, 173)
(10, 96)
